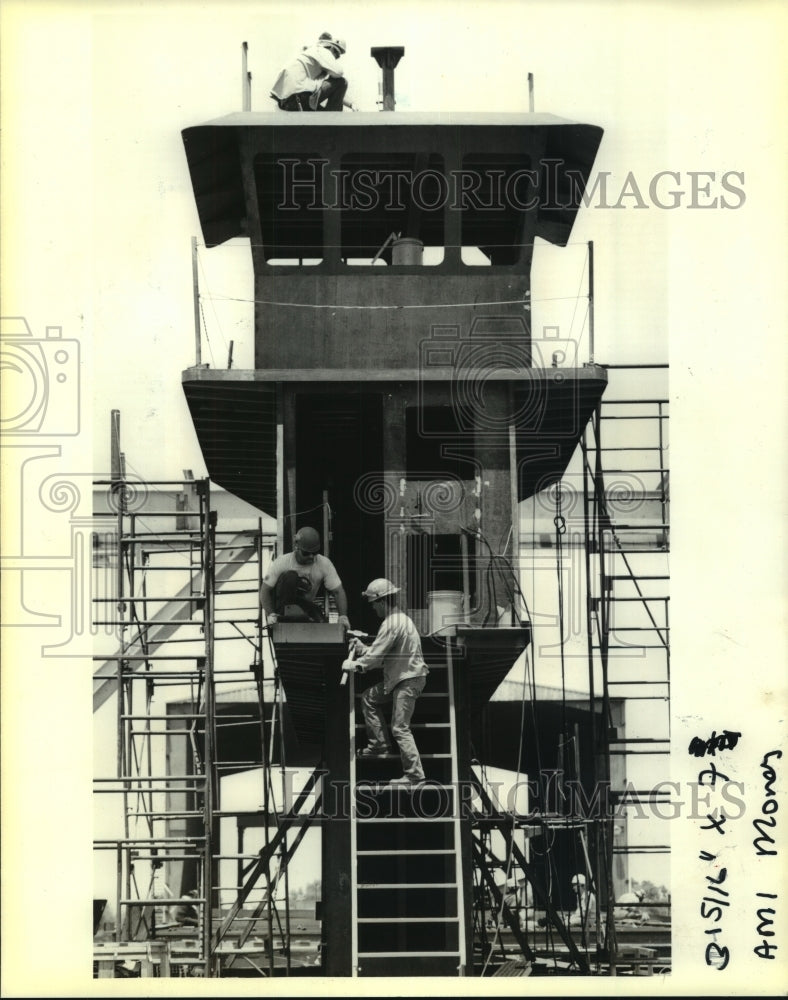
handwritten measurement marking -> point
(726, 740)
(717, 956)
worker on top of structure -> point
(314, 80)
(397, 650)
(296, 577)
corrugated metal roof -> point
(235, 423)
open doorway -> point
(339, 439)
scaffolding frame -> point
(144, 668)
(610, 541)
(171, 819)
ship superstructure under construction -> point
(403, 403)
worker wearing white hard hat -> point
(314, 80)
(584, 915)
(397, 651)
(294, 580)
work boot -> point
(405, 782)
(373, 751)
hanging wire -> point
(578, 296)
(205, 328)
(393, 307)
(213, 308)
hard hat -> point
(307, 539)
(578, 880)
(333, 43)
(379, 588)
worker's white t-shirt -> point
(306, 72)
(321, 571)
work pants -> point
(403, 701)
(332, 94)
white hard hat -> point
(578, 879)
(332, 43)
(379, 588)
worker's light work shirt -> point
(321, 571)
(397, 649)
(305, 73)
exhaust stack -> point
(387, 57)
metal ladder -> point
(408, 914)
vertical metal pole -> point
(326, 541)
(515, 501)
(119, 497)
(245, 95)
(196, 292)
(265, 753)
(352, 805)
(662, 492)
(531, 92)
(591, 300)
(280, 472)
(604, 607)
(590, 522)
(114, 448)
(211, 791)
(466, 576)
(283, 848)
(118, 891)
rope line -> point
(526, 301)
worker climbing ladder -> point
(407, 875)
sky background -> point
(97, 221)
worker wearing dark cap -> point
(314, 80)
(296, 577)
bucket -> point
(407, 250)
(419, 618)
(444, 607)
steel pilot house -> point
(399, 405)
